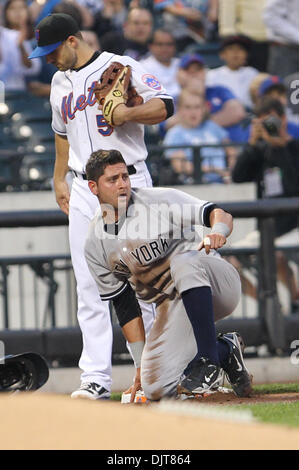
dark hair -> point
(70, 9)
(269, 104)
(279, 87)
(29, 23)
(161, 30)
(98, 161)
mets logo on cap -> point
(37, 34)
(152, 82)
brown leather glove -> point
(114, 89)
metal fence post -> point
(4, 292)
(269, 305)
(197, 172)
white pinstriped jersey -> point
(159, 224)
(75, 112)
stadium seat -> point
(10, 163)
(36, 171)
(33, 131)
(28, 105)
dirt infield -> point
(231, 399)
(41, 421)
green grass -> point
(286, 413)
(276, 388)
(116, 396)
(276, 413)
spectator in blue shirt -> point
(272, 88)
(225, 109)
(196, 128)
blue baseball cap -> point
(51, 31)
(189, 59)
(269, 83)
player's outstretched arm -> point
(129, 316)
(222, 225)
(60, 171)
(135, 335)
(152, 112)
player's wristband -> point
(136, 352)
(222, 228)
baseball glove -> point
(115, 88)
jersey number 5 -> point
(103, 127)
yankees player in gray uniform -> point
(146, 244)
(80, 128)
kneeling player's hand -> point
(212, 242)
(136, 386)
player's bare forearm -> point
(220, 216)
(152, 112)
(62, 156)
(134, 330)
(232, 113)
(134, 333)
(60, 170)
(221, 227)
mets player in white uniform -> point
(144, 244)
(80, 129)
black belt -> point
(79, 175)
(131, 170)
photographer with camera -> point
(271, 159)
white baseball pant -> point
(93, 313)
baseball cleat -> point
(204, 376)
(91, 391)
(236, 372)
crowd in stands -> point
(219, 59)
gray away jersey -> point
(160, 223)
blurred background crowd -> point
(232, 67)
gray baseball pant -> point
(171, 344)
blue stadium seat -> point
(10, 163)
(36, 171)
(28, 105)
(33, 131)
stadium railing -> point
(29, 166)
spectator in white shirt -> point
(235, 74)
(282, 19)
(162, 61)
(15, 46)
